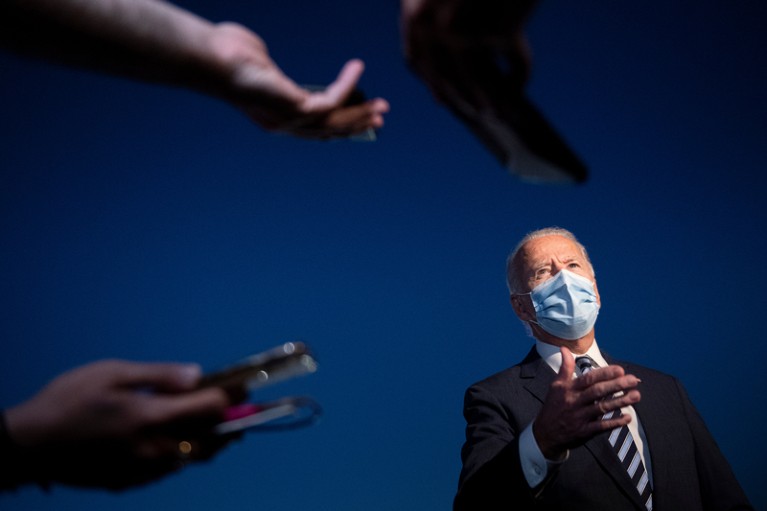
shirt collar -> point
(553, 357)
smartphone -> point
(280, 363)
(282, 414)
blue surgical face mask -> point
(565, 305)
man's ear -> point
(522, 306)
(596, 290)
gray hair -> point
(513, 279)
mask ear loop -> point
(526, 323)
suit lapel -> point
(537, 374)
(659, 432)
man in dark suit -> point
(571, 428)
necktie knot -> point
(585, 364)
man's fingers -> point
(608, 388)
(568, 365)
(337, 92)
(598, 425)
(599, 374)
(600, 407)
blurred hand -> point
(573, 409)
(474, 57)
(115, 424)
(471, 54)
(271, 99)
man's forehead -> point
(543, 249)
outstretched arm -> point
(155, 41)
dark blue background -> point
(148, 223)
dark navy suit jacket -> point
(689, 471)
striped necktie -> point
(623, 444)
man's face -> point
(541, 259)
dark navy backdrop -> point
(143, 222)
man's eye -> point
(574, 265)
(541, 273)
